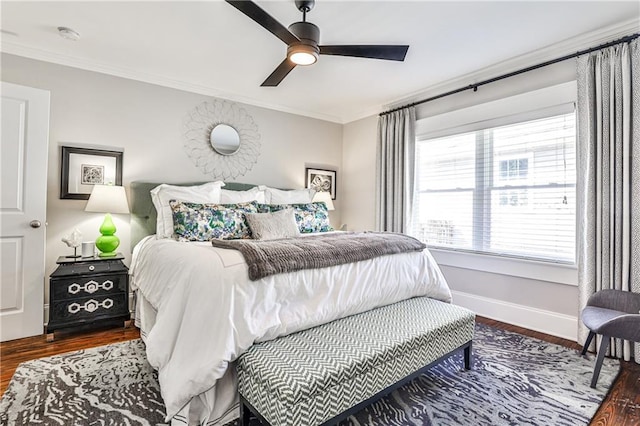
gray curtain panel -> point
(395, 170)
(609, 177)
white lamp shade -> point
(325, 197)
(107, 199)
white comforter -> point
(208, 312)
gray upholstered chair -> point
(611, 313)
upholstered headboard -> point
(143, 213)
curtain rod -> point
(475, 86)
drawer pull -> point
(89, 306)
(91, 267)
(90, 287)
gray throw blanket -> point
(270, 257)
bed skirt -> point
(228, 404)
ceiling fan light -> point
(302, 54)
(303, 58)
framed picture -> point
(322, 181)
(82, 168)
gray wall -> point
(145, 120)
(92, 109)
(543, 303)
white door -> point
(23, 193)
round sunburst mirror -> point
(221, 139)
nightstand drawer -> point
(88, 308)
(84, 286)
(89, 267)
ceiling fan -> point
(302, 39)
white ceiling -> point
(209, 47)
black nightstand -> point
(87, 293)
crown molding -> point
(556, 50)
(562, 48)
(18, 49)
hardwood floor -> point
(14, 352)
(621, 407)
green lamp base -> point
(107, 243)
(107, 254)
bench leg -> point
(245, 414)
(468, 357)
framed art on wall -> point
(81, 168)
(322, 181)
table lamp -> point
(324, 197)
(107, 199)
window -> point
(514, 169)
(507, 190)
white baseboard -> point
(553, 323)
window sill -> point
(542, 271)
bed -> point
(197, 309)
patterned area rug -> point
(516, 380)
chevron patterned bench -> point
(322, 375)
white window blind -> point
(507, 190)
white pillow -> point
(256, 193)
(162, 194)
(271, 226)
(294, 196)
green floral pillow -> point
(311, 217)
(205, 222)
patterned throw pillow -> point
(204, 222)
(161, 195)
(310, 217)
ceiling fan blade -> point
(254, 12)
(279, 73)
(388, 52)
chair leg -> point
(587, 342)
(603, 349)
